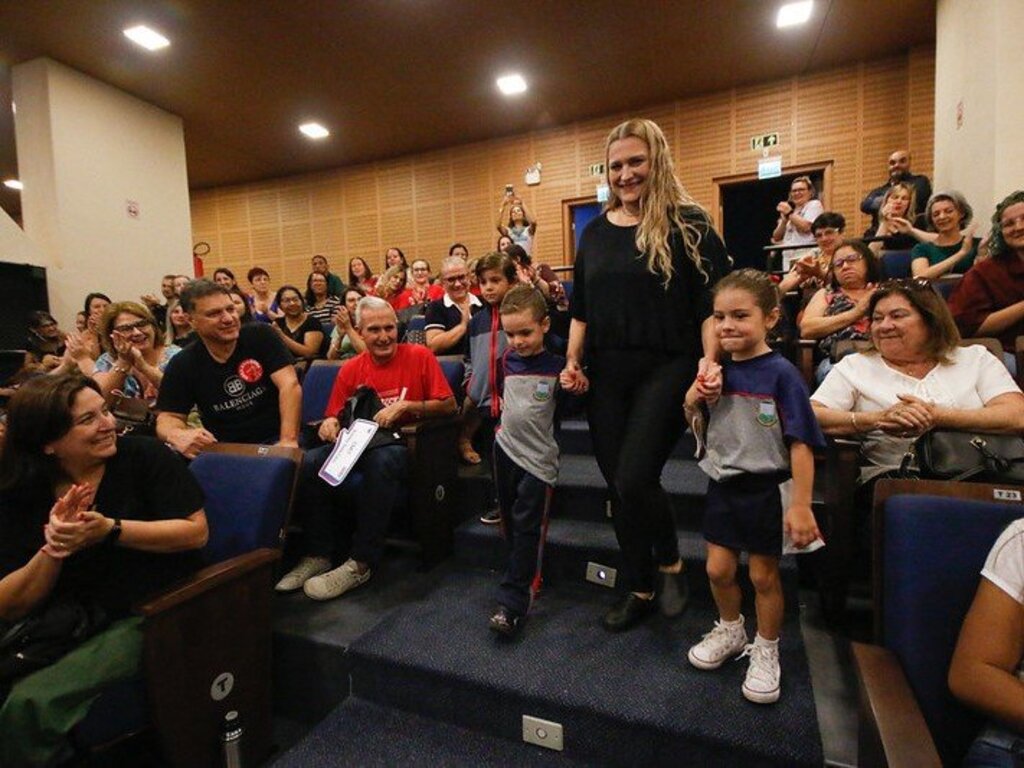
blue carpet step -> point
(572, 544)
(311, 638)
(573, 437)
(360, 733)
(622, 699)
(582, 493)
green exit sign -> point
(767, 141)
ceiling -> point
(391, 77)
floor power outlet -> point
(543, 733)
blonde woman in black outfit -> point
(642, 293)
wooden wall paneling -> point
(397, 229)
(474, 226)
(297, 240)
(233, 210)
(328, 239)
(763, 109)
(325, 199)
(203, 213)
(361, 240)
(853, 116)
(434, 222)
(294, 203)
(263, 208)
(921, 123)
(265, 251)
(360, 190)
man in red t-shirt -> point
(411, 386)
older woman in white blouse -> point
(916, 379)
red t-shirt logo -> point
(250, 371)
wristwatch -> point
(115, 532)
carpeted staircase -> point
(430, 685)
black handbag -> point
(364, 404)
(982, 457)
(43, 637)
(132, 414)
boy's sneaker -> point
(307, 568)
(491, 517)
(763, 681)
(335, 583)
(505, 622)
(719, 645)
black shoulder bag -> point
(978, 456)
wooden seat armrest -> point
(207, 579)
(805, 359)
(892, 731)
(252, 449)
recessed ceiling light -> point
(314, 130)
(510, 85)
(148, 38)
(13, 184)
(792, 14)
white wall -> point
(979, 64)
(84, 150)
(15, 245)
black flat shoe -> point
(505, 623)
(673, 593)
(627, 613)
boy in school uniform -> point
(525, 451)
(495, 274)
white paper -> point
(788, 547)
(347, 449)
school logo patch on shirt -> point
(250, 370)
(766, 415)
(542, 392)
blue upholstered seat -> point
(933, 550)
(896, 264)
(246, 501)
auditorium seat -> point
(433, 468)
(896, 264)
(217, 622)
(931, 539)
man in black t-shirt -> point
(240, 377)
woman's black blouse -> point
(626, 307)
(144, 480)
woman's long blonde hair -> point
(660, 204)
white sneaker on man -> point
(763, 682)
(719, 645)
(307, 568)
(337, 582)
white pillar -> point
(87, 153)
(979, 114)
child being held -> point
(760, 434)
(495, 274)
(525, 451)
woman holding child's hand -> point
(643, 276)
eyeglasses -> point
(826, 233)
(138, 325)
(456, 279)
(851, 259)
(421, 269)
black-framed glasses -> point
(457, 279)
(138, 325)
